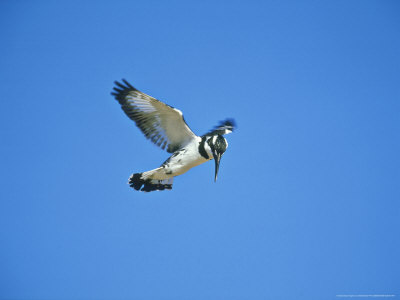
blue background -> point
(307, 201)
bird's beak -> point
(217, 158)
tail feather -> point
(139, 181)
(136, 181)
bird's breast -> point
(183, 160)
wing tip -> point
(121, 90)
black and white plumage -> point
(166, 127)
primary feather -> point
(159, 122)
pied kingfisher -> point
(166, 127)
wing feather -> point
(159, 122)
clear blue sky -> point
(307, 201)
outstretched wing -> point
(161, 123)
(224, 127)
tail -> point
(140, 181)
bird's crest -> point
(224, 127)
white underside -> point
(179, 164)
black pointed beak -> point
(217, 158)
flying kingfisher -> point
(165, 126)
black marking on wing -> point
(159, 122)
(224, 127)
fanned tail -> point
(140, 181)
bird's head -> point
(218, 145)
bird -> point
(166, 127)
